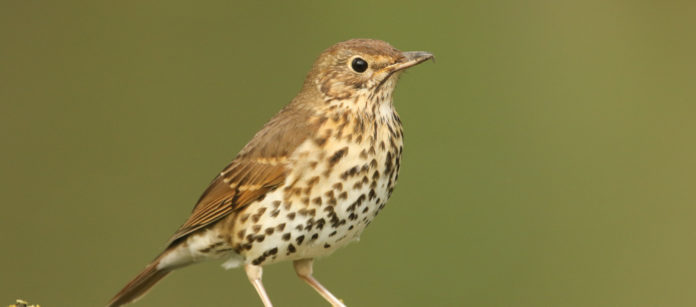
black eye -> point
(359, 65)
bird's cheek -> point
(336, 90)
(380, 75)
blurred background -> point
(550, 152)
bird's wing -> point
(240, 184)
(258, 169)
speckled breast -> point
(340, 180)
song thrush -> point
(309, 182)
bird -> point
(308, 182)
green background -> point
(550, 154)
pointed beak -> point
(412, 58)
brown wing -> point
(226, 195)
(258, 169)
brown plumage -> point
(139, 286)
(308, 182)
(258, 168)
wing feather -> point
(259, 168)
(221, 199)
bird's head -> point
(360, 67)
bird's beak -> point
(411, 58)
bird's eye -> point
(359, 65)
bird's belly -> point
(312, 217)
(304, 231)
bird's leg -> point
(254, 273)
(303, 268)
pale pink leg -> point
(304, 270)
(254, 273)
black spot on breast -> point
(337, 156)
(320, 223)
(259, 260)
(312, 181)
(310, 225)
(299, 240)
(244, 217)
(320, 141)
(363, 154)
(305, 212)
(388, 163)
(258, 214)
(286, 236)
(356, 203)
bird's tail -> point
(140, 285)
